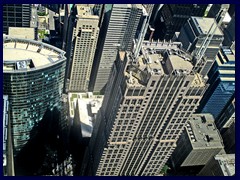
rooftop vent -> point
(203, 118)
(21, 65)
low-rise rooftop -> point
(203, 133)
(89, 98)
(22, 32)
(88, 106)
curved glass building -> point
(33, 76)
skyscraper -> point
(202, 38)
(84, 41)
(172, 17)
(227, 116)
(147, 102)
(8, 160)
(118, 31)
(5, 132)
(33, 75)
(222, 84)
(65, 29)
(229, 136)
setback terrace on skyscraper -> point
(155, 60)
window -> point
(186, 83)
(127, 101)
(128, 116)
(133, 101)
(129, 92)
(136, 92)
(184, 101)
(124, 109)
(152, 84)
(190, 101)
(134, 115)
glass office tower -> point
(33, 75)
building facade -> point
(229, 141)
(84, 41)
(33, 75)
(199, 142)
(202, 38)
(19, 15)
(16, 15)
(8, 160)
(227, 116)
(220, 165)
(148, 100)
(222, 85)
(172, 17)
(229, 33)
(118, 31)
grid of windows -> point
(85, 38)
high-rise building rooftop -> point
(203, 25)
(23, 55)
(199, 142)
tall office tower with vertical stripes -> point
(147, 102)
(118, 31)
(84, 41)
